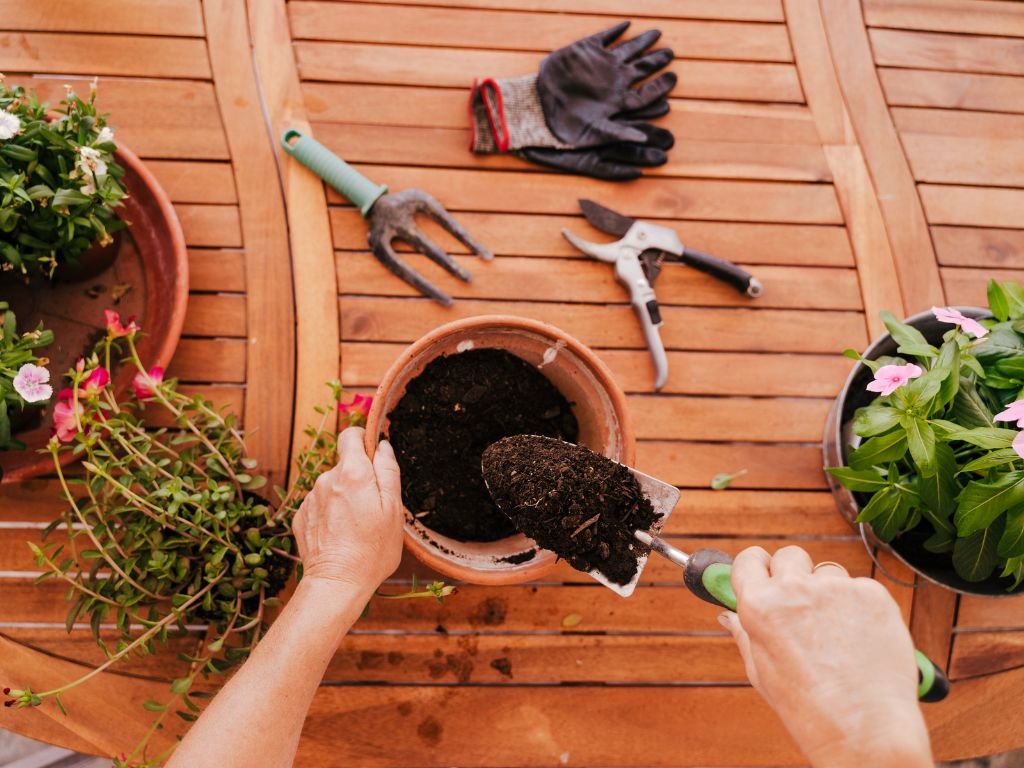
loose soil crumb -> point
(577, 503)
(503, 665)
(454, 409)
(519, 557)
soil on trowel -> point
(579, 504)
(448, 415)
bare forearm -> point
(257, 717)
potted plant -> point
(59, 186)
(580, 389)
(923, 446)
(170, 526)
(68, 192)
(24, 379)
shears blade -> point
(606, 219)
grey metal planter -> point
(937, 568)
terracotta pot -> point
(152, 259)
(598, 404)
(937, 568)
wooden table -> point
(856, 157)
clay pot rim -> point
(161, 350)
(544, 560)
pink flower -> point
(1018, 444)
(66, 415)
(889, 378)
(96, 380)
(949, 315)
(31, 383)
(114, 326)
(357, 410)
(145, 384)
(1014, 412)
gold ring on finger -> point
(832, 564)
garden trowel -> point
(707, 573)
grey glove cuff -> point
(507, 115)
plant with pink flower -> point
(932, 454)
(24, 379)
(179, 521)
(356, 410)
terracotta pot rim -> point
(544, 560)
(161, 349)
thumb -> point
(389, 483)
(732, 624)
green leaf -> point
(975, 557)
(998, 458)
(68, 197)
(853, 354)
(949, 360)
(879, 450)
(883, 512)
(1014, 569)
(921, 441)
(1011, 543)
(874, 420)
(997, 301)
(938, 492)
(858, 479)
(969, 410)
(153, 706)
(181, 684)
(940, 542)
(910, 340)
(989, 438)
(980, 502)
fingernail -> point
(725, 620)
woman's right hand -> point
(832, 656)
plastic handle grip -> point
(332, 169)
(708, 574)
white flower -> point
(31, 383)
(10, 125)
(106, 135)
(92, 168)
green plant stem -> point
(96, 543)
(144, 637)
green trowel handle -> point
(332, 169)
(708, 574)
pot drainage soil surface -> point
(579, 504)
(448, 415)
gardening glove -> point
(619, 161)
(582, 97)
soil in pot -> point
(577, 503)
(448, 415)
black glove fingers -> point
(650, 112)
(633, 48)
(608, 36)
(609, 131)
(649, 92)
(656, 137)
(586, 162)
(634, 154)
(650, 63)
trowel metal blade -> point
(663, 497)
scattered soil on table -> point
(448, 415)
(579, 504)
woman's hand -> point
(349, 528)
(832, 656)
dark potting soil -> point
(448, 415)
(579, 504)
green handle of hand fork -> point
(332, 169)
